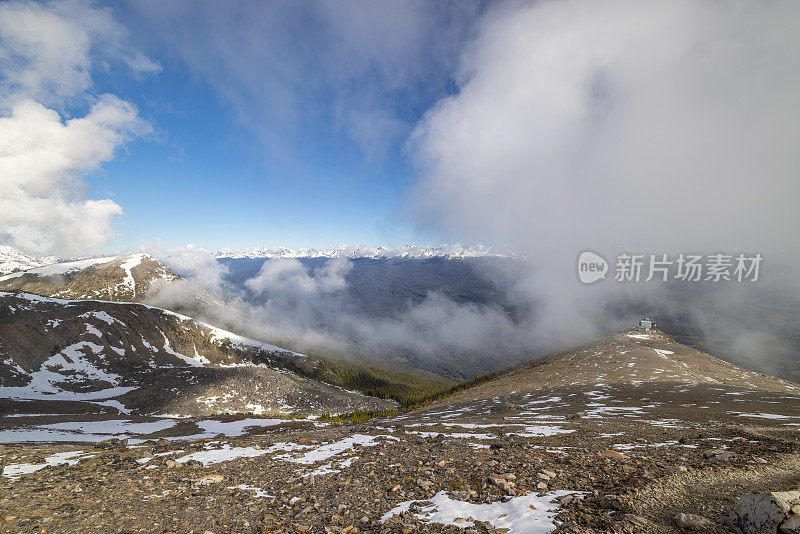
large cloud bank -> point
(621, 126)
(47, 52)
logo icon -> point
(591, 267)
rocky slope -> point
(633, 433)
(127, 278)
(628, 360)
(115, 278)
(73, 356)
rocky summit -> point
(631, 433)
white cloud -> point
(582, 121)
(43, 206)
(622, 125)
(311, 308)
(47, 51)
(288, 278)
(351, 70)
(196, 266)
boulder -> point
(208, 480)
(762, 513)
(692, 522)
(676, 469)
(791, 525)
(717, 455)
(501, 483)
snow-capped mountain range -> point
(358, 251)
(16, 262)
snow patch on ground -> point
(541, 430)
(663, 353)
(90, 329)
(133, 261)
(115, 404)
(92, 431)
(197, 361)
(526, 514)
(14, 471)
(102, 316)
(227, 453)
(213, 427)
(324, 452)
(761, 415)
(311, 454)
(455, 435)
(218, 335)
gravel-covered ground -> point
(535, 450)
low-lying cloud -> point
(312, 308)
(288, 278)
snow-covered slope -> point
(12, 260)
(358, 251)
(87, 356)
(51, 269)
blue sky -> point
(204, 178)
(214, 175)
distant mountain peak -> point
(358, 251)
(12, 259)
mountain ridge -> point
(142, 359)
(627, 359)
(358, 251)
(115, 278)
(13, 260)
